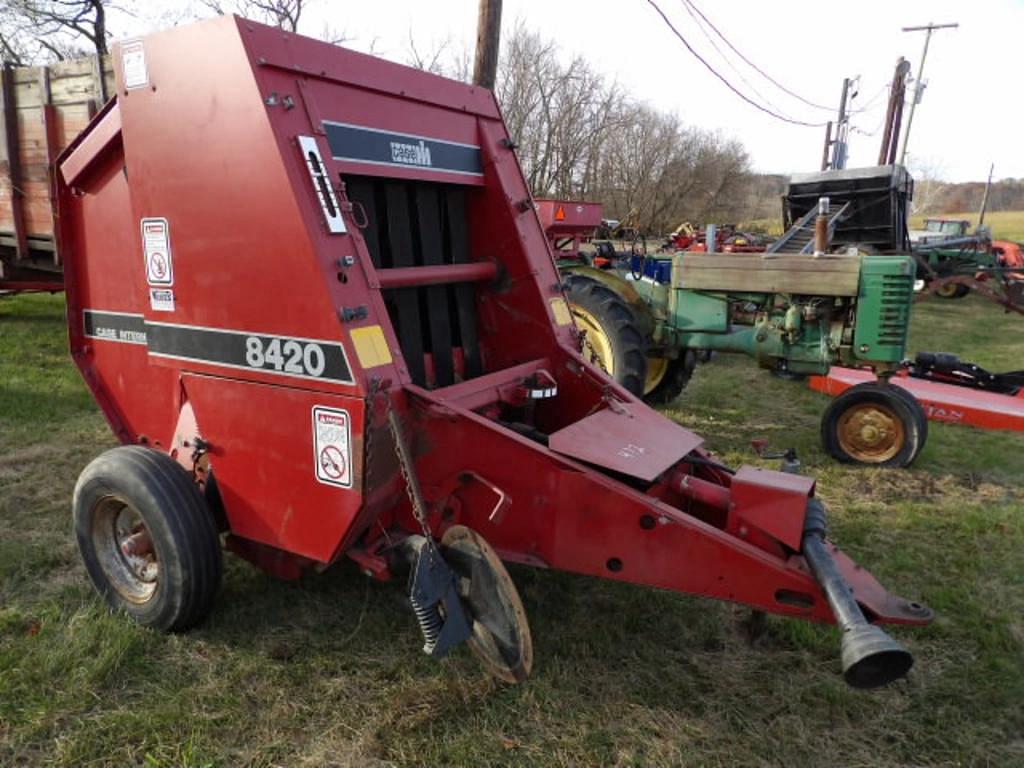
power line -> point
(754, 66)
(717, 74)
(693, 15)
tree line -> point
(580, 135)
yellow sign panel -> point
(371, 347)
(561, 311)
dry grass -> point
(327, 672)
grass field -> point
(327, 672)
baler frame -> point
(426, 294)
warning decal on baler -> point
(156, 246)
(332, 446)
(362, 144)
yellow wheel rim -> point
(657, 367)
(871, 433)
(947, 291)
(597, 345)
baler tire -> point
(676, 377)
(593, 303)
(875, 404)
(160, 494)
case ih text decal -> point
(283, 355)
(361, 144)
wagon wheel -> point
(501, 637)
(873, 423)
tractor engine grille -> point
(883, 308)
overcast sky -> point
(972, 112)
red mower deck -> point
(942, 402)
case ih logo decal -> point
(317, 359)
(362, 144)
(410, 154)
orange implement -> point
(942, 402)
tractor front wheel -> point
(875, 424)
(611, 339)
(148, 541)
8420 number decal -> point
(305, 358)
(268, 353)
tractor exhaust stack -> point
(871, 658)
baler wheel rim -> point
(115, 523)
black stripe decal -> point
(114, 326)
(294, 357)
(362, 144)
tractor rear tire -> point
(875, 425)
(674, 380)
(953, 291)
(149, 543)
(612, 340)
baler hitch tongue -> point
(871, 658)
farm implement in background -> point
(337, 332)
(569, 224)
(816, 298)
(950, 390)
(952, 262)
(44, 108)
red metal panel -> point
(774, 502)
(942, 402)
(628, 438)
(266, 467)
(565, 217)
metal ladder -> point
(800, 237)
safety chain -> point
(405, 462)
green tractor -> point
(798, 309)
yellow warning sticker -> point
(371, 346)
(561, 311)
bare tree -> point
(32, 30)
(580, 136)
(286, 14)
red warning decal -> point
(332, 439)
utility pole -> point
(842, 139)
(894, 113)
(984, 200)
(918, 87)
(488, 36)
(838, 142)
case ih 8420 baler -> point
(311, 294)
